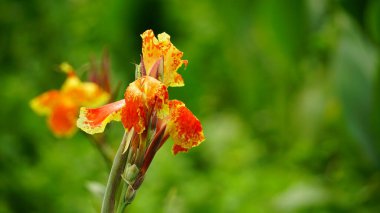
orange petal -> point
(44, 103)
(62, 119)
(95, 120)
(153, 49)
(142, 97)
(185, 129)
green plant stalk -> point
(127, 193)
(115, 177)
(128, 169)
(121, 205)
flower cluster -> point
(146, 109)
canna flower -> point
(62, 106)
(149, 118)
(146, 107)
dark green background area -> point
(288, 93)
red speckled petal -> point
(153, 49)
(142, 97)
(185, 129)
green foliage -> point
(287, 92)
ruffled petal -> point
(184, 128)
(150, 49)
(142, 97)
(43, 104)
(153, 49)
(95, 120)
(62, 119)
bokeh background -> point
(288, 93)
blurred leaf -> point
(354, 68)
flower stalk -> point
(114, 178)
(134, 156)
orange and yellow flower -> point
(62, 106)
(153, 49)
(146, 108)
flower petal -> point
(142, 97)
(84, 93)
(62, 119)
(95, 120)
(67, 68)
(185, 129)
(43, 104)
(153, 49)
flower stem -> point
(114, 178)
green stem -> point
(126, 196)
(115, 177)
(126, 191)
(121, 204)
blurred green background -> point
(288, 93)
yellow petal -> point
(153, 49)
(95, 120)
(84, 93)
(44, 103)
(184, 128)
(67, 68)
